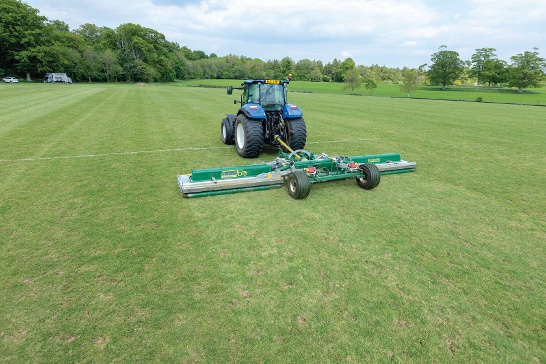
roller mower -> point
(298, 169)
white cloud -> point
(346, 54)
(409, 43)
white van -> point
(57, 77)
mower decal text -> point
(229, 174)
(374, 160)
(234, 173)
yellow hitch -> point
(281, 142)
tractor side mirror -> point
(229, 90)
(235, 102)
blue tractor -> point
(265, 116)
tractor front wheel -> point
(249, 136)
(370, 176)
(299, 184)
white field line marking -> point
(156, 151)
(343, 141)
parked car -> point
(10, 79)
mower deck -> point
(298, 169)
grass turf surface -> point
(531, 96)
(104, 261)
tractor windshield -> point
(272, 97)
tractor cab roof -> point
(271, 82)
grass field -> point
(103, 260)
(532, 96)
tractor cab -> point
(269, 94)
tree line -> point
(525, 69)
(32, 45)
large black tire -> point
(370, 176)
(249, 136)
(227, 130)
(299, 184)
(297, 133)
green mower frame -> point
(298, 169)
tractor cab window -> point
(251, 93)
(272, 96)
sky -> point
(392, 33)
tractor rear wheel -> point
(227, 130)
(370, 176)
(249, 136)
(299, 184)
(297, 133)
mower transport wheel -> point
(297, 133)
(371, 176)
(227, 130)
(299, 185)
(249, 137)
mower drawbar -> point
(298, 170)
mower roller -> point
(298, 169)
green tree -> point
(411, 79)
(166, 69)
(487, 68)
(353, 80)
(333, 70)
(308, 70)
(315, 75)
(347, 66)
(481, 63)
(371, 85)
(526, 70)
(446, 67)
(287, 67)
(98, 38)
(273, 68)
(109, 65)
(21, 31)
(303, 69)
(497, 72)
(367, 72)
(255, 69)
(90, 33)
(75, 64)
(139, 50)
(197, 54)
(92, 64)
